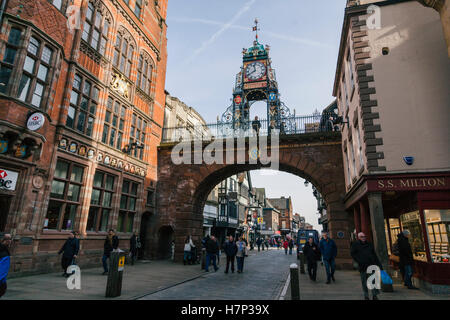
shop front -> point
(419, 203)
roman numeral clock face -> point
(255, 70)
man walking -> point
(212, 249)
(240, 255)
(291, 246)
(406, 258)
(4, 261)
(364, 254)
(256, 125)
(69, 250)
(230, 249)
(111, 243)
(312, 254)
(258, 243)
(329, 252)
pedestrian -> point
(258, 243)
(230, 249)
(187, 251)
(69, 250)
(406, 258)
(5, 261)
(291, 246)
(173, 250)
(252, 244)
(193, 251)
(212, 250)
(135, 244)
(312, 254)
(278, 244)
(285, 246)
(256, 125)
(364, 254)
(111, 243)
(329, 252)
(266, 242)
(241, 254)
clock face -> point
(255, 70)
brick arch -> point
(183, 189)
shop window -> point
(394, 225)
(438, 227)
(64, 196)
(411, 222)
(101, 202)
(83, 105)
(128, 206)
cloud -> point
(224, 27)
(285, 37)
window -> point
(438, 227)
(138, 8)
(350, 70)
(57, 3)
(36, 71)
(83, 105)
(144, 74)
(101, 202)
(352, 156)
(123, 55)
(9, 58)
(137, 135)
(359, 147)
(344, 85)
(114, 124)
(64, 196)
(151, 197)
(128, 201)
(347, 157)
(95, 29)
(411, 222)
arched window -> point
(96, 27)
(144, 73)
(123, 52)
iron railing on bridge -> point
(294, 125)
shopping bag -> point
(385, 278)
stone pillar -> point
(339, 231)
(357, 219)
(365, 221)
(379, 234)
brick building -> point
(284, 206)
(81, 115)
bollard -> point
(295, 284)
(116, 266)
(203, 258)
(302, 263)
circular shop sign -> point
(35, 121)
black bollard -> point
(116, 266)
(295, 284)
(302, 263)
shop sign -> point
(35, 121)
(8, 179)
(421, 183)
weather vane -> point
(255, 28)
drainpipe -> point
(2, 11)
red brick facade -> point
(101, 90)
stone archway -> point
(317, 157)
(165, 238)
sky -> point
(205, 42)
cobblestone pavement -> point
(264, 277)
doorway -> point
(5, 202)
(145, 224)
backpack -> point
(396, 249)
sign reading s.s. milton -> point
(405, 184)
(8, 179)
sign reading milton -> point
(419, 183)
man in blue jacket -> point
(329, 252)
(4, 262)
(230, 249)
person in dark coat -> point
(406, 258)
(135, 244)
(230, 250)
(291, 245)
(5, 262)
(212, 250)
(312, 254)
(256, 125)
(111, 243)
(69, 250)
(258, 243)
(328, 249)
(364, 254)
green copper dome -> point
(256, 52)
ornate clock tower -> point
(257, 82)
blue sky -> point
(205, 42)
